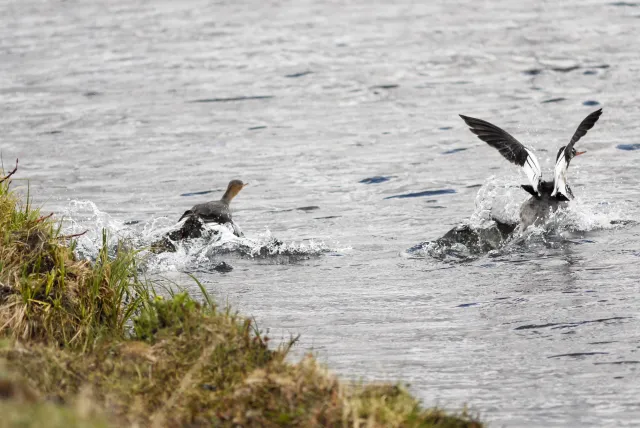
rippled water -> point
(123, 113)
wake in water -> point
(493, 227)
(203, 253)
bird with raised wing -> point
(546, 196)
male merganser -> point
(546, 196)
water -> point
(116, 110)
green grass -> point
(47, 415)
(48, 295)
(92, 344)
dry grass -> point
(189, 364)
(90, 344)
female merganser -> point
(547, 196)
(218, 211)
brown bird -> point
(218, 211)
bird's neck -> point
(546, 187)
(228, 196)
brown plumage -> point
(218, 211)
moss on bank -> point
(91, 344)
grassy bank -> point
(92, 345)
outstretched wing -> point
(560, 176)
(561, 189)
(560, 185)
(585, 125)
(512, 150)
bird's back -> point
(211, 212)
(538, 208)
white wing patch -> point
(560, 177)
(533, 171)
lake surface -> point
(117, 110)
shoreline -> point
(92, 344)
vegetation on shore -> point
(92, 345)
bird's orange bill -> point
(580, 153)
(246, 184)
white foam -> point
(84, 217)
(499, 199)
(81, 216)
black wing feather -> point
(186, 214)
(585, 125)
(529, 188)
(507, 145)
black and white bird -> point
(546, 196)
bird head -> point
(234, 187)
(572, 154)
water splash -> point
(498, 199)
(488, 230)
(84, 217)
(201, 253)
